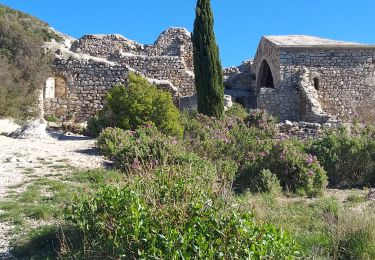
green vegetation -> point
(51, 119)
(297, 171)
(43, 201)
(325, 228)
(135, 149)
(188, 186)
(23, 64)
(348, 157)
(220, 191)
(137, 104)
(207, 64)
(183, 225)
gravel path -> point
(17, 155)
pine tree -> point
(207, 64)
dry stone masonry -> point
(314, 79)
(87, 68)
(240, 84)
(296, 78)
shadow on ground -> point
(63, 137)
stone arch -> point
(265, 77)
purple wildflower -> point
(310, 159)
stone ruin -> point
(85, 69)
(296, 78)
(314, 79)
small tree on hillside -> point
(207, 65)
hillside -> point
(23, 64)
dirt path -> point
(20, 155)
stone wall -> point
(175, 42)
(344, 78)
(87, 82)
(170, 68)
(93, 64)
(240, 83)
(316, 84)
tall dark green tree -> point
(207, 64)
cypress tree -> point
(207, 65)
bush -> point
(266, 181)
(137, 104)
(180, 207)
(132, 150)
(173, 213)
(230, 138)
(264, 122)
(237, 110)
(96, 124)
(348, 158)
(297, 171)
(24, 66)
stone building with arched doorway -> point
(304, 78)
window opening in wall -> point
(56, 87)
(50, 88)
(316, 83)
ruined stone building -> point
(85, 69)
(297, 78)
(304, 78)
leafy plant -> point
(138, 103)
(297, 171)
(266, 181)
(348, 157)
(132, 150)
(119, 223)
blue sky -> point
(239, 24)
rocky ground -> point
(19, 155)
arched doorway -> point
(265, 78)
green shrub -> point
(264, 122)
(138, 103)
(297, 171)
(132, 150)
(230, 138)
(237, 110)
(96, 124)
(119, 223)
(266, 181)
(24, 66)
(348, 158)
(51, 119)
